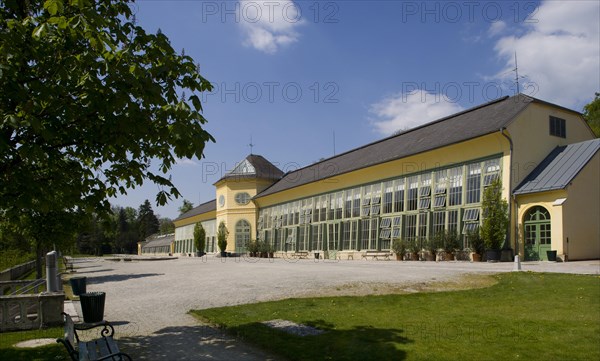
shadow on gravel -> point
(96, 271)
(188, 343)
(119, 278)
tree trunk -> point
(38, 259)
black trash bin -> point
(551, 256)
(78, 285)
(92, 306)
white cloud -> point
(403, 111)
(269, 25)
(186, 162)
(496, 28)
(559, 54)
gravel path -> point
(149, 300)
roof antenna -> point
(251, 145)
(517, 77)
(334, 143)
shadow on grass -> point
(357, 343)
(188, 343)
(50, 352)
(119, 278)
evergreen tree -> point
(495, 216)
(148, 223)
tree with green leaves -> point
(222, 234)
(166, 225)
(495, 216)
(186, 207)
(591, 113)
(199, 238)
(148, 223)
(88, 101)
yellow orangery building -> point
(420, 182)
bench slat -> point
(102, 347)
(83, 351)
(112, 345)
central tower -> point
(235, 191)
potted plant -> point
(270, 250)
(432, 245)
(477, 246)
(399, 248)
(222, 234)
(451, 245)
(495, 220)
(252, 248)
(263, 249)
(416, 248)
(199, 239)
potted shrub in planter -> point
(199, 239)
(477, 245)
(432, 245)
(222, 234)
(416, 250)
(263, 249)
(451, 245)
(399, 248)
(270, 250)
(495, 220)
(252, 248)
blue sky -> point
(290, 74)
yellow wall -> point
(582, 213)
(546, 200)
(481, 147)
(576, 219)
(231, 212)
(532, 142)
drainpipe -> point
(510, 178)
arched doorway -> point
(536, 224)
(242, 235)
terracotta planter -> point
(414, 256)
(475, 257)
(398, 257)
(448, 256)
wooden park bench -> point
(68, 262)
(376, 255)
(300, 254)
(103, 348)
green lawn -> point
(51, 352)
(524, 316)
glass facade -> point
(370, 216)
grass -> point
(524, 316)
(51, 352)
(11, 258)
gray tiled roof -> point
(262, 169)
(559, 168)
(157, 240)
(475, 122)
(203, 208)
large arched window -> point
(242, 235)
